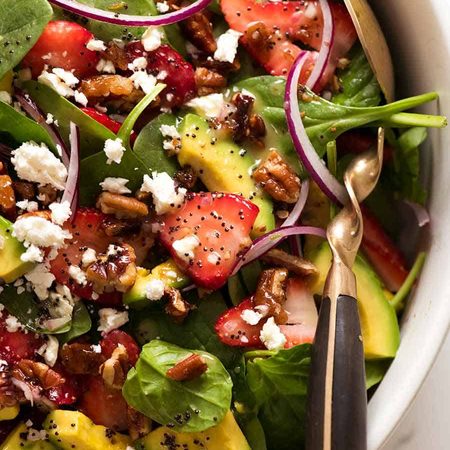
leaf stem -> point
(400, 120)
(332, 166)
(259, 354)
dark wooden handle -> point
(345, 427)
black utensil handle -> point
(345, 427)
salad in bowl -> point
(167, 173)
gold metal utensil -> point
(374, 44)
(337, 401)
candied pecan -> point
(186, 177)
(37, 373)
(114, 270)
(117, 55)
(278, 179)
(188, 369)
(198, 29)
(9, 396)
(208, 81)
(114, 370)
(47, 194)
(239, 120)
(259, 40)
(142, 242)
(271, 294)
(24, 190)
(81, 359)
(222, 67)
(138, 424)
(107, 85)
(294, 264)
(118, 227)
(177, 308)
(7, 197)
(256, 127)
(121, 206)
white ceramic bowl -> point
(418, 32)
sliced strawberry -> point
(221, 224)
(63, 44)
(233, 330)
(17, 345)
(276, 27)
(116, 337)
(102, 405)
(66, 393)
(382, 253)
(178, 73)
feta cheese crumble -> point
(271, 335)
(162, 187)
(210, 105)
(251, 317)
(111, 319)
(185, 247)
(114, 150)
(38, 164)
(80, 98)
(106, 66)
(32, 254)
(41, 280)
(51, 350)
(154, 289)
(173, 138)
(144, 81)
(227, 45)
(162, 7)
(115, 185)
(138, 64)
(78, 275)
(61, 212)
(27, 205)
(88, 257)
(96, 45)
(151, 39)
(67, 77)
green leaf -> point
(190, 406)
(92, 136)
(21, 24)
(375, 371)
(359, 85)
(81, 323)
(149, 146)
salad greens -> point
(193, 405)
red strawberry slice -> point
(66, 393)
(206, 235)
(110, 342)
(233, 330)
(63, 44)
(174, 71)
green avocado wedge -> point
(17, 440)
(223, 166)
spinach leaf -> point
(17, 128)
(197, 331)
(21, 24)
(254, 433)
(190, 406)
(267, 89)
(149, 146)
(359, 84)
(93, 135)
(81, 323)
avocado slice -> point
(168, 272)
(223, 166)
(11, 266)
(72, 429)
(379, 324)
(9, 412)
(225, 436)
(17, 440)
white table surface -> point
(427, 424)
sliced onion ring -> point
(421, 213)
(71, 192)
(264, 243)
(131, 20)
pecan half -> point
(294, 264)
(7, 197)
(138, 424)
(198, 29)
(177, 308)
(259, 40)
(24, 190)
(117, 55)
(186, 177)
(37, 373)
(47, 194)
(114, 370)
(208, 81)
(271, 294)
(119, 227)
(107, 85)
(121, 206)
(188, 369)
(80, 359)
(278, 179)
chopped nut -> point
(114, 370)
(259, 40)
(107, 85)
(138, 424)
(9, 396)
(186, 177)
(37, 373)
(80, 359)
(47, 194)
(294, 264)
(115, 271)
(208, 81)
(142, 242)
(278, 179)
(7, 197)
(198, 29)
(116, 227)
(117, 55)
(271, 294)
(188, 369)
(177, 308)
(121, 206)
(256, 127)
(221, 67)
(24, 190)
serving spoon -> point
(374, 45)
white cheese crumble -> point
(213, 258)
(68, 77)
(271, 335)
(38, 164)
(80, 98)
(138, 64)
(61, 212)
(89, 256)
(78, 275)
(27, 205)
(173, 138)
(32, 254)
(143, 80)
(251, 317)
(53, 81)
(50, 119)
(154, 289)
(111, 319)
(41, 280)
(185, 247)
(114, 150)
(227, 45)
(115, 185)
(5, 97)
(209, 105)
(51, 350)
(12, 324)
(96, 45)
(151, 39)
(106, 66)
(162, 7)
(162, 188)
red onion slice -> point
(264, 243)
(71, 192)
(294, 215)
(422, 216)
(131, 20)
